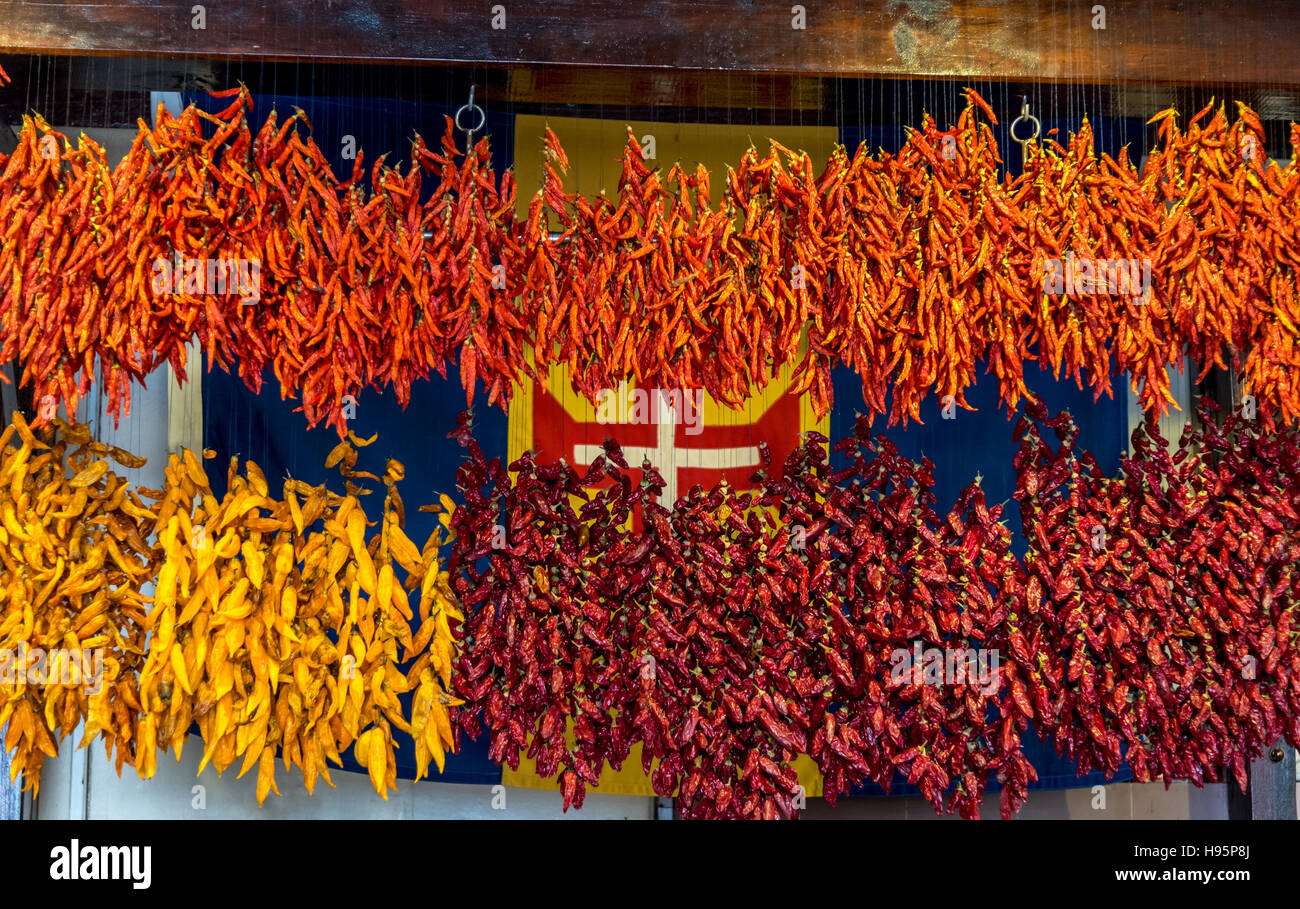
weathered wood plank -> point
(1168, 41)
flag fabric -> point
(686, 435)
(690, 439)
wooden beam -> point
(663, 88)
(1164, 41)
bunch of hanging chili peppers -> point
(1150, 620)
(910, 268)
(350, 292)
(1160, 602)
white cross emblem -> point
(665, 453)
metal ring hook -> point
(470, 131)
(1025, 115)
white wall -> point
(172, 795)
(10, 799)
(1122, 801)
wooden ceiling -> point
(869, 61)
(1249, 42)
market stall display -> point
(590, 610)
(271, 625)
(910, 268)
(1150, 619)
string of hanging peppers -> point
(910, 268)
(832, 613)
(276, 625)
(837, 614)
(1168, 597)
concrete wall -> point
(1122, 801)
(10, 799)
(175, 794)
